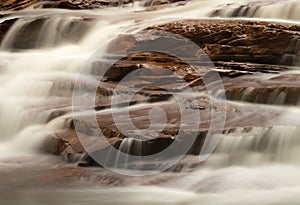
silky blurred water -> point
(260, 168)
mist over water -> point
(260, 166)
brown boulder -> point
(64, 4)
(83, 4)
(240, 41)
(162, 2)
(16, 4)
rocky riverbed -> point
(239, 54)
(83, 82)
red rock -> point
(16, 4)
(239, 41)
(238, 48)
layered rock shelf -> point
(64, 4)
(250, 57)
(252, 60)
(85, 4)
(16, 4)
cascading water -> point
(41, 76)
(270, 9)
(37, 74)
(31, 33)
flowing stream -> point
(40, 58)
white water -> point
(28, 76)
(284, 9)
(258, 167)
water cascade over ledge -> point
(229, 80)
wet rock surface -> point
(279, 90)
(162, 2)
(251, 58)
(16, 4)
(247, 77)
(240, 41)
(84, 4)
(63, 4)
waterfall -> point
(44, 33)
(288, 10)
(254, 146)
(51, 52)
(42, 55)
(35, 82)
